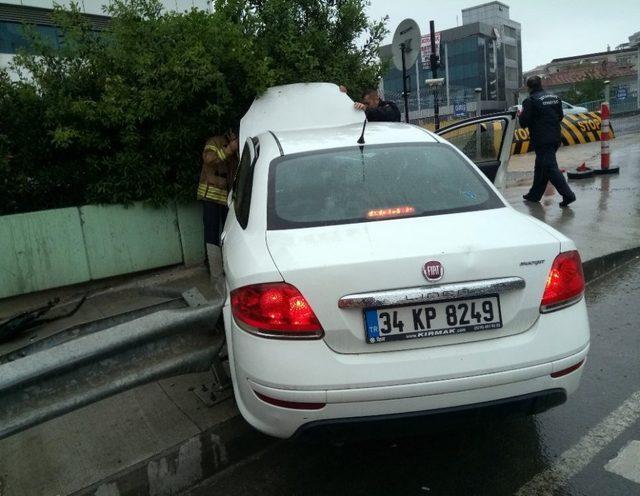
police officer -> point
(377, 109)
(219, 163)
(542, 114)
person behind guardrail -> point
(376, 109)
(542, 114)
(219, 164)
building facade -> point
(507, 39)
(621, 67)
(485, 52)
(15, 14)
(634, 42)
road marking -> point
(580, 455)
(627, 463)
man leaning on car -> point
(376, 109)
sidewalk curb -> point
(199, 458)
(599, 266)
(185, 464)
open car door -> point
(487, 141)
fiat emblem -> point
(433, 270)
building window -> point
(14, 36)
(510, 52)
(512, 74)
(509, 31)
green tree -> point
(312, 40)
(590, 88)
(121, 115)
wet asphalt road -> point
(488, 457)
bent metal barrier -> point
(576, 129)
(85, 363)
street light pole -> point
(638, 75)
(405, 93)
(478, 92)
(433, 59)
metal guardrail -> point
(83, 364)
(591, 106)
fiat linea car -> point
(374, 271)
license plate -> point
(428, 320)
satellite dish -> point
(407, 34)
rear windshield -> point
(379, 182)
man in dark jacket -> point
(377, 109)
(542, 114)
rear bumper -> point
(413, 422)
(346, 404)
(405, 382)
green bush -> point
(122, 115)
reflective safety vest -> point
(215, 172)
(209, 192)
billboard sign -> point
(425, 49)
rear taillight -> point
(274, 310)
(565, 283)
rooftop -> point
(43, 16)
(485, 5)
(576, 74)
(596, 54)
(466, 30)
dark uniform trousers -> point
(213, 217)
(546, 169)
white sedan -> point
(567, 108)
(375, 273)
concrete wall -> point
(53, 248)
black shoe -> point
(566, 200)
(530, 198)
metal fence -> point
(616, 106)
(423, 99)
(421, 107)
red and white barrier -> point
(605, 136)
(583, 171)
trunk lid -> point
(327, 263)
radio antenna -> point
(361, 138)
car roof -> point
(299, 106)
(375, 133)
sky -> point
(550, 28)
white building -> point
(509, 35)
